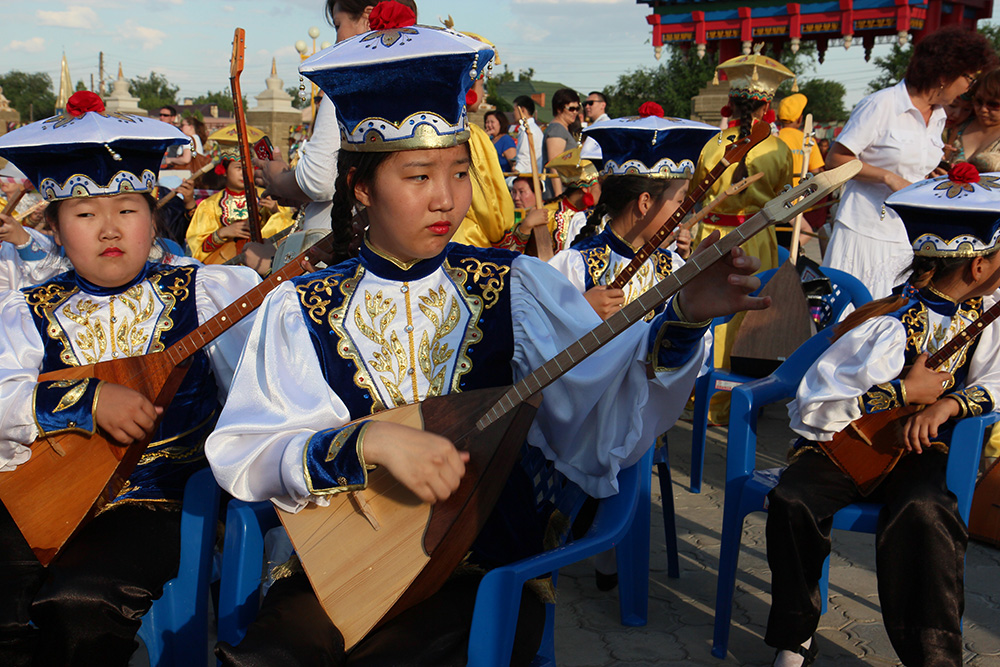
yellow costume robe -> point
(774, 159)
(225, 208)
(492, 210)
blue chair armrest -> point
(497, 603)
(963, 458)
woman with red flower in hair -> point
(753, 80)
(878, 363)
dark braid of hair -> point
(617, 192)
(921, 272)
(743, 110)
(593, 222)
(348, 232)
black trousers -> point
(292, 630)
(87, 606)
(919, 548)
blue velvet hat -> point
(401, 88)
(87, 151)
(957, 215)
(648, 144)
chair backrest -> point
(847, 291)
(552, 489)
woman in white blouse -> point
(896, 133)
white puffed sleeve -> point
(316, 170)
(283, 399)
(217, 288)
(605, 413)
(869, 354)
(984, 369)
(570, 264)
(21, 352)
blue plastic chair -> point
(847, 290)
(618, 524)
(747, 488)
(175, 630)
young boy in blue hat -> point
(953, 223)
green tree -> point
(297, 101)
(153, 91)
(671, 85)
(30, 93)
(826, 100)
(506, 76)
(493, 96)
(892, 66)
(222, 99)
(80, 85)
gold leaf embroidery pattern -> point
(390, 360)
(346, 348)
(489, 276)
(310, 295)
(73, 396)
(433, 354)
(880, 398)
(473, 334)
(597, 263)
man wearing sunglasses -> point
(176, 156)
(595, 108)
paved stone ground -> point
(681, 611)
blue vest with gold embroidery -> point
(361, 316)
(157, 308)
(598, 250)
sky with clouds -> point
(585, 44)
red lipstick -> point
(112, 252)
(440, 228)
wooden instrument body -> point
(226, 252)
(767, 337)
(363, 574)
(869, 448)
(984, 518)
(81, 466)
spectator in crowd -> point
(496, 127)
(195, 128)
(897, 134)
(558, 137)
(824, 147)
(981, 133)
(176, 156)
(596, 107)
(524, 156)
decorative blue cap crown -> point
(648, 146)
(402, 88)
(957, 215)
(91, 154)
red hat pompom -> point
(220, 169)
(963, 172)
(471, 98)
(83, 101)
(726, 111)
(769, 116)
(647, 109)
(390, 16)
(588, 199)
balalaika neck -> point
(963, 338)
(554, 368)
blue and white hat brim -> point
(652, 146)
(91, 155)
(402, 88)
(944, 218)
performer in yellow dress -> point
(753, 80)
(223, 217)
